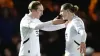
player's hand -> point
(58, 21)
(83, 48)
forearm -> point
(43, 25)
(47, 26)
(53, 27)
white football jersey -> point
(74, 35)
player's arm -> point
(51, 25)
(46, 26)
(79, 26)
(56, 24)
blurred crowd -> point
(52, 43)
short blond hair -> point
(34, 5)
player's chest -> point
(70, 28)
(35, 33)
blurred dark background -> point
(52, 43)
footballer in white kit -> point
(29, 29)
(75, 33)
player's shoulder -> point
(25, 17)
(77, 19)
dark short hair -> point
(34, 5)
(70, 7)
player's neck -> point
(71, 16)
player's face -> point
(40, 10)
(64, 13)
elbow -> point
(83, 35)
